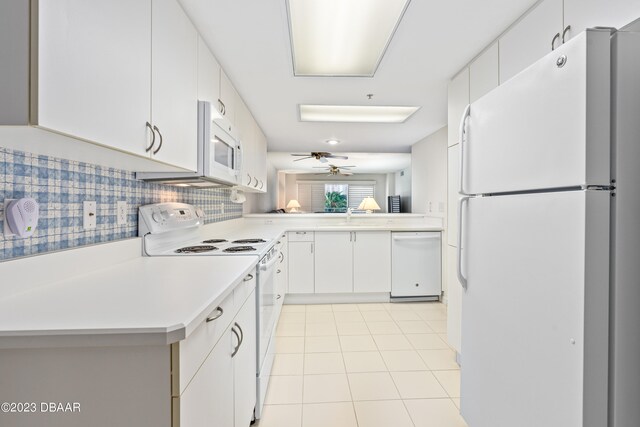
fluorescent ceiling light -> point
(355, 113)
(341, 37)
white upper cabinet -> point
(93, 72)
(583, 14)
(208, 75)
(458, 100)
(531, 38)
(228, 98)
(483, 73)
(260, 159)
(174, 85)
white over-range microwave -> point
(219, 155)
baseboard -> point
(352, 298)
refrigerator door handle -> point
(463, 135)
(461, 278)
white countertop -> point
(141, 301)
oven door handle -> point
(268, 265)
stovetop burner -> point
(249, 241)
(215, 241)
(196, 249)
(240, 249)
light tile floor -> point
(363, 365)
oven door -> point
(266, 305)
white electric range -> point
(176, 229)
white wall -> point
(429, 175)
(291, 185)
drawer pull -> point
(279, 296)
(219, 313)
(279, 271)
(249, 277)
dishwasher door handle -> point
(427, 237)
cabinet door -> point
(483, 73)
(583, 14)
(208, 75)
(246, 130)
(245, 365)
(530, 39)
(209, 400)
(174, 85)
(458, 99)
(301, 268)
(93, 71)
(372, 261)
(260, 159)
(454, 300)
(228, 96)
(453, 172)
(334, 262)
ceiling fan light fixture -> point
(341, 38)
(356, 113)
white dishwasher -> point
(416, 268)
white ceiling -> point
(250, 39)
(364, 162)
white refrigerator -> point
(545, 170)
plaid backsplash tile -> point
(61, 186)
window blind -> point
(359, 192)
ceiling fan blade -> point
(303, 158)
(320, 167)
(347, 167)
(303, 155)
(337, 157)
(347, 173)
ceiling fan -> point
(322, 156)
(335, 170)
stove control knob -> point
(156, 217)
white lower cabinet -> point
(282, 272)
(244, 364)
(372, 261)
(222, 390)
(301, 262)
(352, 261)
(334, 262)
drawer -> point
(301, 236)
(192, 351)
(243, 290)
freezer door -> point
(547, 127)
(535, 311)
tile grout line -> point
(344, 363)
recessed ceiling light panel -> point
(341, 37)
(355, 113)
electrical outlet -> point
(222, 208)
(121, 212)
(89, 215)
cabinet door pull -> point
(301, 232)
(279, 296)
(235, 350)
(281, 257)
(160, 135)
(278, 271)
(249, 277)
(256, 184)
(261, 184)
(223, 108)
(241, 334)
(153, 138)
(312, 248)
(553, 41)
(564, 33)
(219, 312)
(250, 179)
(355, 236)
